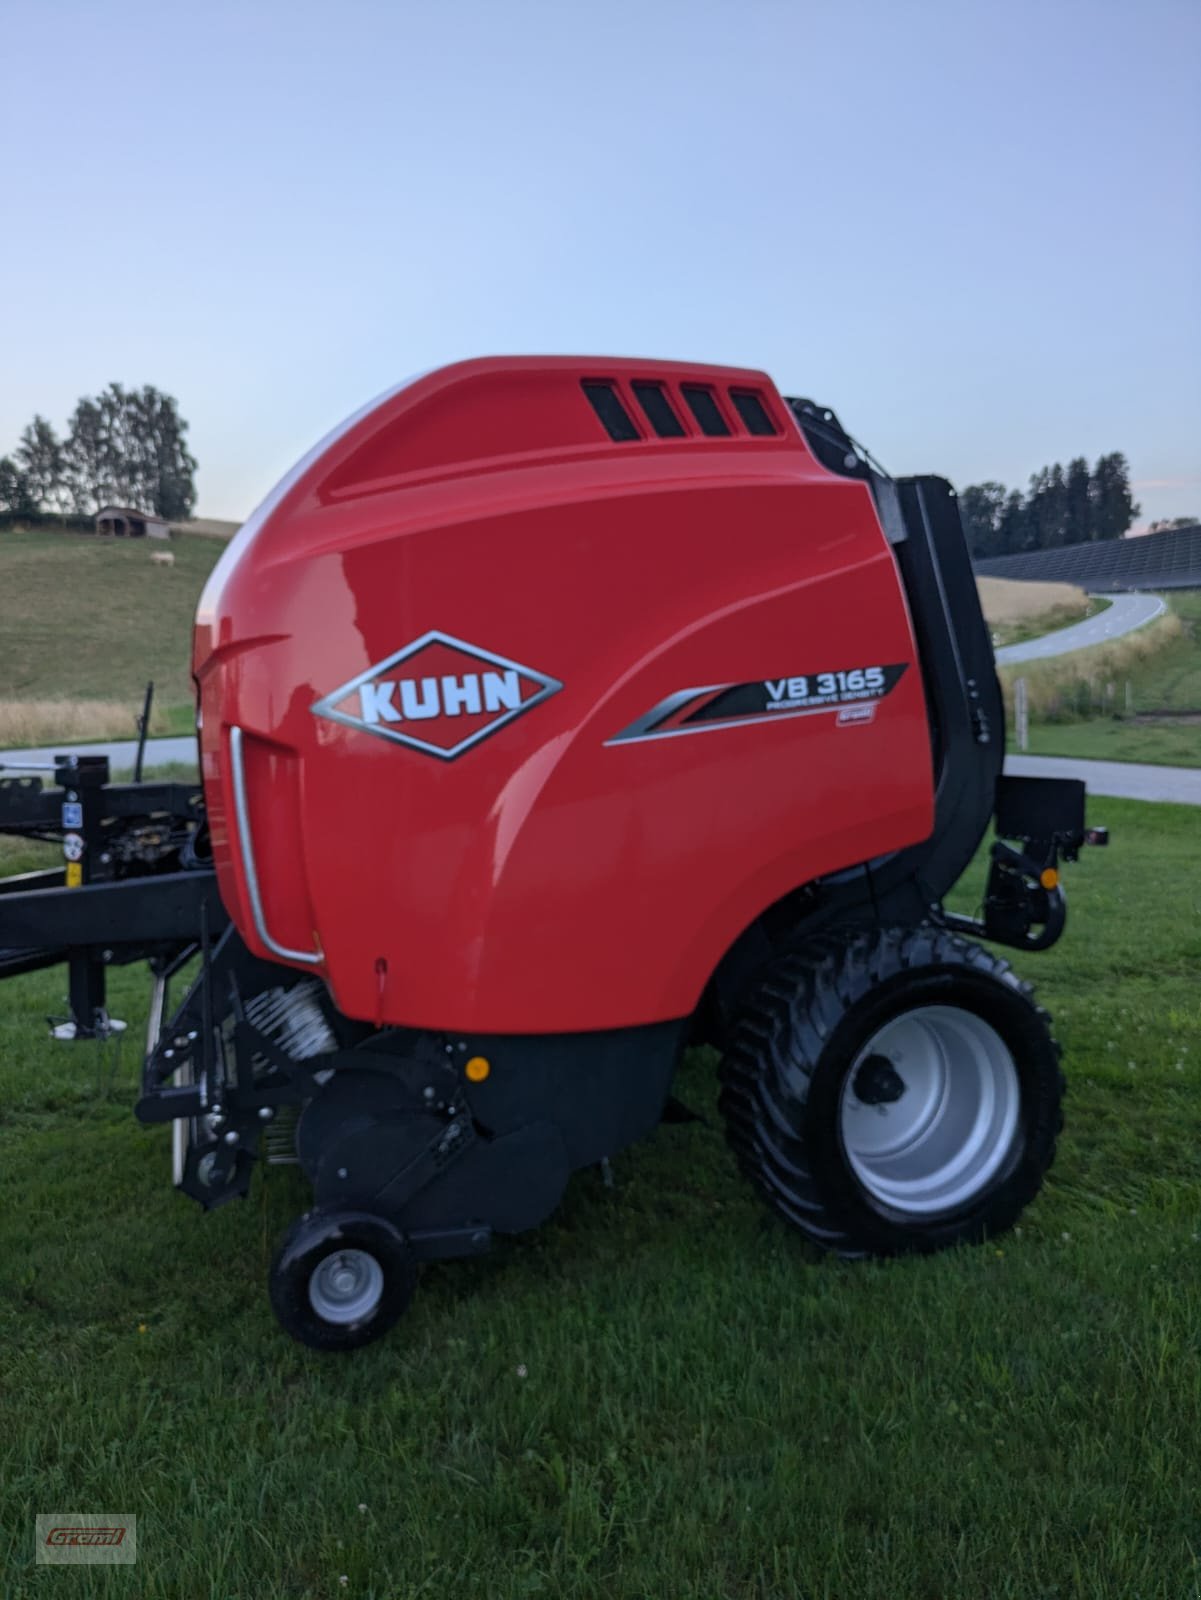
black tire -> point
(371, 1248)
(803, 1033)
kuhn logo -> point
(438, 694)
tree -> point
(1060, 507)
(15, 498)
(1078, 507)
(1163, 523)
(1014, 524)
(1113, 507)
(1046, 508)
(86, 459)
(128, 447)
(39, 459)
(174, 465)
(981, 506)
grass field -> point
(662, 1395)
(84, 623)
(206, 528)
(1165, 680)
(1167, 743)
(1018, 611)
(1045, 622)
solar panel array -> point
(1169, 560)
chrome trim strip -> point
(158, 1004)
(242, 813)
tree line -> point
(1166, 524)
(123, 447)
(1063, 505)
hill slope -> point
(88, 621)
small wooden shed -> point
(123, 522)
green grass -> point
(93, 618)
(163, 772)
(1169, 744)
(1171, 679)
(708, 1409)
(27, 855)
(1168, 680)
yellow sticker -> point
(74, 874)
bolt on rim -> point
(346, 1286)
(929, 1110)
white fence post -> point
(1021, 714)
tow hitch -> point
(1024, 903)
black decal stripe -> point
(692, 710)
(743, 700)
(756, 699)
(736, 704)
(667, 708)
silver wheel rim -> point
(929, 1110)
(346, 1286)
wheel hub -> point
(878, 1082)
(929, 1110)
(346, 1286)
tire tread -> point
(777, 1045)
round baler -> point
(555, 714)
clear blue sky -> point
(973, 228)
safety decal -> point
(852, 692)
(439, 695)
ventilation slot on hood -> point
(752, 411)
(604, 400)
(704, 407)
(652, 397)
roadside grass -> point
(1015, 610)
(53, 720)
(1085, 683)
(1078, 702)
(1166, 743)
(84, 623)
(63, 723)
(662, 1394)
(1051, 621)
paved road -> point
(1128, 612)
(1125, 780)
(121, 754)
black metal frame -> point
(142, 888)
(1046, 817)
